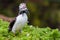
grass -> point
(29, 32)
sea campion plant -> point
(29, 32)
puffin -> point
(20, 21)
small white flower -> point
(28, 34)
(46, 32)
(31, 26)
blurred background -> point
(43, 13)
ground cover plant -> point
(29, 32)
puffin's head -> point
(23, 8)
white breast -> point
(21, 20)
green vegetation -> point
(28, 33)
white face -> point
(22, 7)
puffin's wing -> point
(11, 25)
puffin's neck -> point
(24, 14)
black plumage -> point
(11, 25)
